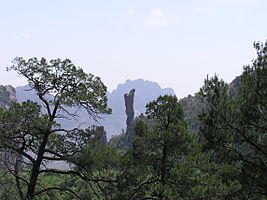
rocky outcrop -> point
(129, 102)
(7, 97)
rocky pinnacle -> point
(129, 101)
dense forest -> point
(210, 146)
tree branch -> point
(56, 171)
(58, 188)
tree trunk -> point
(36, 168)
(163, 170)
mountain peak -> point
(141, 84)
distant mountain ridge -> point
(115, 123)
(146, 91)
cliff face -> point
(7, 96)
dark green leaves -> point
(235, 128)
(69, 84)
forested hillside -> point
(193, 105)
(210, 146)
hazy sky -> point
(173, 42)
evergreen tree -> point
(234, 130)
(36, 137)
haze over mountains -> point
(146, 91)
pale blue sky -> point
(173, 42)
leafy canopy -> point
(68, 83)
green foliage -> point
(192, 107)
(118, 141)
(226, 160)
(164, 137)
(35, 137)
(234, 129)
(69, 84)
(168, 161)
(8, 191)
(23, 125)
